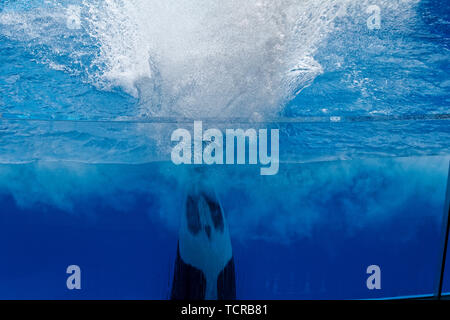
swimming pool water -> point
(90, 92)
(310, 232)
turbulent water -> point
(258, 61)
(229, 58)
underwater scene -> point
(221, 150)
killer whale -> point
(204, 265)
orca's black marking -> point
(216, 213)
(193, 216)
(208, 231)
(226, 283)
(189, 283)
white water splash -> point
(222, 58)
(228, 58)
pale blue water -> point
(85, 173)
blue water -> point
(87, 109)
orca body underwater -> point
(204, 267)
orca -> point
(204, 266)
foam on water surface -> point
(216, 59)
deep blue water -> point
(90, 93)
(309, 233)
